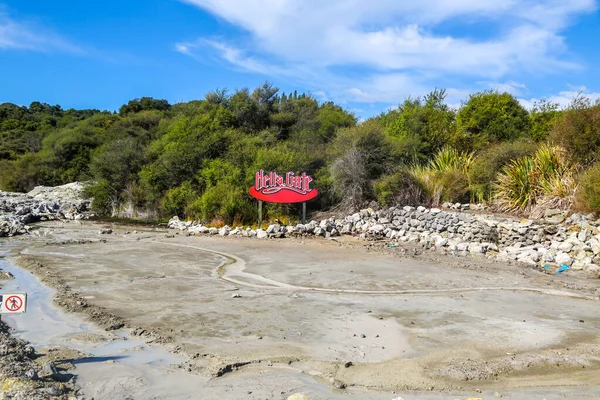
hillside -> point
(152, 159)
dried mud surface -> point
(361, 318)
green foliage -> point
(360, 155)
(577, 130)
(527, 181)
(424, 125)
(400, 188)
(490, 161)
(144, 104)
(446, 177)
(490, 117)
(177, 200)
(587, 198)
(198, 158)
(542, 118)
(225, 202)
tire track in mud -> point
(233, 271)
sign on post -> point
(289, 188)
(13, 303)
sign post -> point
(289, 188)
(303, 213)
(13, 303)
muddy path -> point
(265, 319)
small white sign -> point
(13, 303)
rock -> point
(476, 249)
(563, 258)
(48, 371)
(236, 296)
(583, 235)
(441, 242)
(298, 396)
(462, 246)
(556, 219)
(261, 234)
(106, 231)
(339, 384)
(376, 228)
(550, 212)
(565, 247)
(32, 374)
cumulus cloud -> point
(390, 38)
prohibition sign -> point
(13, 303)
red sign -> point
(288, 188)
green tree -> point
(578, 131)
(490, 117)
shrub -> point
(578, 131)
(361, 154)
(224, 202)
(545, 177)
(490, 162)
(400, 188)
(587, 197)
(445, 177)
(176, 200)
(490, 117)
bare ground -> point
(344, 313)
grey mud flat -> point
(263, 319)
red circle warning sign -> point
(13, 303)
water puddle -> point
(45, 325)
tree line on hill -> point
(197, 159)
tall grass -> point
(546, 177)
(445, 177)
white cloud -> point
(563, 98)
(398, 44)
(511, 87)
(17, 35)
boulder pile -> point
(559, 238)
(43, 203)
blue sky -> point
(365, 55)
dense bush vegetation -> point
(197, 159)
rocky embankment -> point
(17, 210)
(559, 239)
(22, 377)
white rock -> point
(378, 228)
(261, 234)
(563, 258)
(565, 247)
(462, 246)
(441, 242)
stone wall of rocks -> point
(557, 239)
(17, 210)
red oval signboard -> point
(288, 188)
